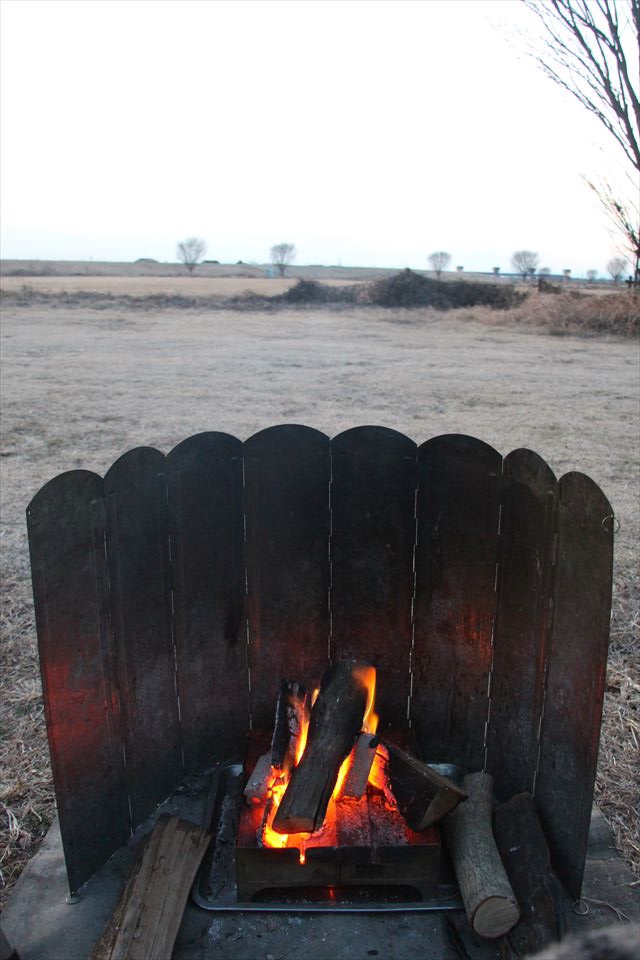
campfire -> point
(329, 790)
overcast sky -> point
(367, 133)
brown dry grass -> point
(196, 286)
(614, 312)
(80, 386)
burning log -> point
(379, 775)
(336, 719)
(357, 777)
(292, 715)
(488, 899)
(423, 796)
(292, 718)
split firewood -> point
(259, 783)
(355, 782)
(489, 901)
(292, 714)
(423, 796)
(336, 720)
(523, 848)
(145, 922)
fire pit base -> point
(234, 876)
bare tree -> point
(525, 263)
(190, 251)
(591, 49)
(282, 254)
(616, 268)
(591, 275)
(439, 261)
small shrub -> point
(409, 289)
(310, 291)
(545, 287)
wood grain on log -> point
(336, 719)
(488, 899)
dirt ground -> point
(80, 387)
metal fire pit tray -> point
(215, 886)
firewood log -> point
(292, 713)
(488, 899)
(259, 783)
(357, 778)
(336, 719)
(523, 848)
(145, 922)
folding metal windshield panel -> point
(207, 561)
(138, 551)
(172, 597)
(458, 508)
(287, 471)
(577, 662)
(527, 531)
(373, 484)
(66, 521)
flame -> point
(379, 768)
(367, 678)
(269, 837)
(342, 776)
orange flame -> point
(367, 678)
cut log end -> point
(487, 895)
(495, 917)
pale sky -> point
(367, 133)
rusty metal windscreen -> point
(173, 596)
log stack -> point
(336, 720)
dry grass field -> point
(82, 385)
(195, 286)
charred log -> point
(292, 713)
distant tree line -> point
(525, 263)
(191, 251)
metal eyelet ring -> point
(608, 526)
(581, 907)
